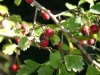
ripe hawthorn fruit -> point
(91, 41)
(14, 67)
(24, 27)
(45, 15)
(85, 32)
(44, 43)
(43, 36)
(84, 42)
(29, 1)
(59, 45)
(94, 29)
(49, 32)
(17, 40)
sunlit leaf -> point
(17, 2)
(95, 9)
(29, 67)
(73, 23)
(3, 9)
(23, 43)
(9, 48)
(70, 6)
(16, 18)
(74, 62)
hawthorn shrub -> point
(81, 29)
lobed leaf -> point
(23, 43)
(29, 67)
(55, 59)
(9, 48)
(74, 62)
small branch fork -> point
(11, 33)
(67, 32)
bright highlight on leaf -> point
(95, 9)
(70, 6)
(29, 67)
(9, 48)
(3, 9)
(74, 62)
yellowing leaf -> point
(9, 48)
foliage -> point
(68, 58)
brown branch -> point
(63, 30)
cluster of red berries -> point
(15, 67)
(94, 29)
(91, 41)
(24, 31)
(49, 32)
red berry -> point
(45, 15)
(94, 29)
(84, 42)
(24, 27)
(59, 45)
(43, 36)
(91, 41)
(29, 1)
(44, 43)
(14, 67)
(17, 40)
(49, 32)
(85, 32)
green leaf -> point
(92, 71)
(64, 71)
(1, 0)
(76, 51)
(64, 23)
(64, 47)
(68, 14)
(95, 9)
(55, 59)
(9, 48)
(73, 23)
(1, 38)
(29, 67)
(45, 70)
(74, 62)
(3, 9)
(55, 39)
(16, 18)
(23, 43)
(70, 6)
(17, 2)
(91, 2)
